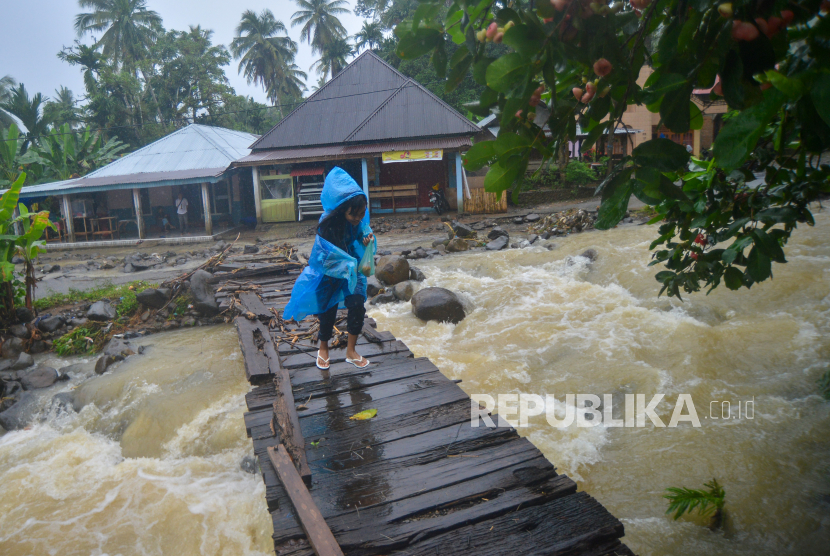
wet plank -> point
(339, 355)
(286, 348)
(316, 530)
(253, 303)
(263, 396)
(258, 353)
(385, 481)
(287, 423)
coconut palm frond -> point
(687, 500)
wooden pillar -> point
(139, 220)
(696, 142)
(257, 196)
(206, 208)
(364, 166)
(459, 184)
(66, 211)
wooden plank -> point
(302, 376)
(253, 303)
(338, 355)
(384, 481)
(287, 423)
(317, 532)
(263, 396)
(286, 348)
(258, 353)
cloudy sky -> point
(34, 31)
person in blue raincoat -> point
(332, 279)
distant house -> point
(392, 135)
(133, 193)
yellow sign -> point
(412, 156)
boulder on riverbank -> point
(101, 311)
(153, 298)
(437, 304)
(205, 302)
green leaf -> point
(675, 109)
(364, 415)
(734, 278)
(695, 116)
(480, 70)
(733, 228)
(459, 68)
(661, 154)
(507, 73)
(758, 265)
(792, 88)
(509, 145)
(612, 210)
(777, 215)
(821, 96)
(768, 246)
(738, 138)
(524, 40)
(439, 60)
(418, 42)
(479, 155)
(500, 177)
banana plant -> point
(11, 159)
(28, 245)
(67, 154)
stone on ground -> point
(152, 298)
(101, 311)
(203, 294)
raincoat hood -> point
(339, 188)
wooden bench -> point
(395, 192)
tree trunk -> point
(149, 85)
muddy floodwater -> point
(549, 322)
(150, 464)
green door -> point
(277, 194)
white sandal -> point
(326, 361)
(356, 361)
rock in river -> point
(437, 304)
(40, 377)
(499, 243)
(457, 244)
(403, 290)
(392, 269)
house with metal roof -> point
(139, 190)
(392, 135)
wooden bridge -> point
(416, 479)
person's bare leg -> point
(324, 351)
(351, 352)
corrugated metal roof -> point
(347, 151)
(195, 147)
(368, 101)
(194, 154)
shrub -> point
(579, 173)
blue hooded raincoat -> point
(313, 293)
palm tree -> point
(7, 83)
(128, 27)
(333, 57)
(28, 110)
(319, 21)
(370, 36)
(266, 57)
(62, 110)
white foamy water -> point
(549, 322)
(149, 466)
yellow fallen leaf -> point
(363, 415)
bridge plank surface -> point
(417, 479)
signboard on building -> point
(412, 156)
